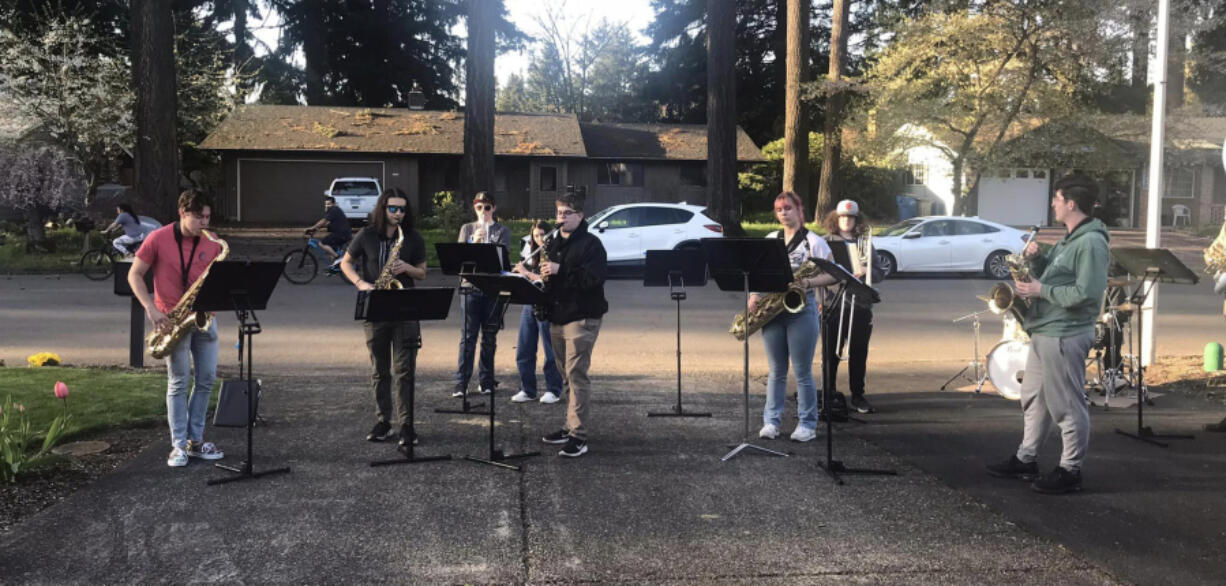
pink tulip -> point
(61, 390)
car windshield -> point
(354, 188)
(595, 218)
(901, 228)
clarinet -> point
(541, 311)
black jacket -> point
(577, 291)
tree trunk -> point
(314, 50)
(722, 199)
(956, 189)
(795, 131)
(477, 166)
(828, 190)
(36, 232)
(242, 51)
(153, 72)
(1176, 61)
(1140, 47)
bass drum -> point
(1006, 365)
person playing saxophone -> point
(179, 253)
(793, 336)
(1066, 287)
(368, 257)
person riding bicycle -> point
(133, 231)
(339, 232)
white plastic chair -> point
(1180, 211)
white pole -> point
(1156, 184)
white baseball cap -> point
(847, 208)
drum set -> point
(1115, 368)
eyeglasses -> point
(566, 213)
(395, 209)
(483, 207)
(783, 209)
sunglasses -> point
(395, 209)
(483, 207)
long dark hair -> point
(543, 226)
(378, 216)
(831, 223)
(124, 207)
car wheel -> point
(886, 262)
(995, 266)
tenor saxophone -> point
(772, 304)
(386, 279)
(1002, 298)
(182, 319)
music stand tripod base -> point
(466, 408)
(498, 459)
(1147, 435)
(748, 446)
(244, 472)
(835, 469)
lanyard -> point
(186, 265)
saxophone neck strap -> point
(185, 265)
(800, 237)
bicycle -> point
(301, 266)
(98, 263)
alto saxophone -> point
(772, 304)
(182, 319)
(386, 279)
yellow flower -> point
(44, 359)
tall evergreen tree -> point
(722, 200)
(477, 164)
(153, 76)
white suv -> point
(356, 196)
(629, 231)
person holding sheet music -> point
(1064, 294)
(531, 328)
(793, 336)
(389, 342)
(478, 308)
(845, 234)
(179, 253)
(575, 276)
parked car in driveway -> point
(947, 244)
(629, 231)
(356, 196)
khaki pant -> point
(572, 347)
(390, 343)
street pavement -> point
(652, 502)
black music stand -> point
(1153, 265)
(849, 290)
(136, 312)
(242, 287)
(414, 304)
(739, 264)
(505, 290)
(675, 269)
(464, 258)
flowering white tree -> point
(79, 97)
(38, 179)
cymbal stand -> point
(980, 377)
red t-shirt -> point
(161, 252)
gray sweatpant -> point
(1053, 390)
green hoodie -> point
(1074, 277)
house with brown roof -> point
(278, 160)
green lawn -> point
(68, 250)
(99, 398)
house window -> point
(549, 178)
(694, 175)
(1040, 174)
(627, 174)
(1180, 183)
(1023, 174)
(917, 174)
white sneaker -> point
(803, 434)
(177, 459)
(204, 451)
(549, 398)
(522, 397)
(769, 431)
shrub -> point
(44, 359)
(450, 211)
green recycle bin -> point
(1213, 357)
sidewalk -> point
(651, 503)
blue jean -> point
(186, 413)
(478, 309)
(530, 329)
(792, 336)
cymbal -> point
(1119, 282)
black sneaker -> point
(574, 448)
(1058, 481)
(1014, 468)
(379, 432)
(404, 435)
(557, 437)
(861, 405)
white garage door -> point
(1015, 197)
